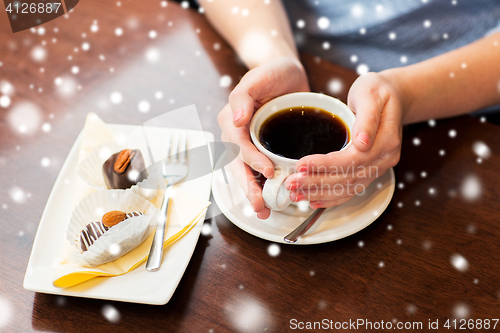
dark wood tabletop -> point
(434, 254)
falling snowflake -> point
(452, 133)
(403, 59)
(85, 47)
(225, 81)
(459, 262)
(45, 162)
(144, 106)
(301, 24)
(5, 101)
(185, 4)
(461, 311)
(38, 53)
(411, 309)
(326, 45)
(362, 31)
(323, 23)
(152, 34)
(152, 55)
(248, 315)
(442, 152)
(416, 142)
(273, 250)
(114, 249)
(158, 95)
(471, 188)
(111, 314)
(357, 10)
(24, 117)
(354, 58)
(427, 23)
(362, 69)
(116, 97)
(361, 243)
(75, 70)
(6, 88)
(118, 31)
(18, 195)
(381, 264)
(66, 86)
(206, 230)
(481, 149)
(392, 35)
(335, 86)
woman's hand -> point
(274, 78)
(332, 179)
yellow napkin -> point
(184, 213)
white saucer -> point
(336, 223)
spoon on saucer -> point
(295, 235)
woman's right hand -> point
(279, 76)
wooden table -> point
(433, 255)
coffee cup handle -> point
(276, 196)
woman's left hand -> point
(332, 179)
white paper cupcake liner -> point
(117, 240)
(90, 170)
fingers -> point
(242, 105)
(240, 136)
(335, 192)
(339, 161)
(247, 180)
(367, 101)
(263, 83)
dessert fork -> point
(174, 169)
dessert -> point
(94, 230)
(124, 169)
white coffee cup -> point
(275, 195)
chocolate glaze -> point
(133, 174)
(94, 230)
(89, 235)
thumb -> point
(242, 105)
(367, 110)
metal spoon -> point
(304, 226)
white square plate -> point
(139, 285)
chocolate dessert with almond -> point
(94, 230)
(124, 169)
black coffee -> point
(303, 130)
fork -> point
(174, 169)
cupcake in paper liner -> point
(105, 225)
(111, 167)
